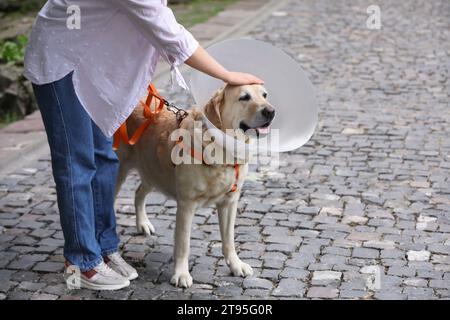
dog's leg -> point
(143, 224)
(185, 213)
(227, 218)
(121, 177)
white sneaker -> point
(101, 277)
(116, 262)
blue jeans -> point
(85, 170)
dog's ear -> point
(214, 107)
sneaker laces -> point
(117, 258)
(104, 269)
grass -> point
(199, 11)
(8, 118)
(13, 51)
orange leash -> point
(149, 114)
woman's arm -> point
(174, 42)
(202, 61)
(158, 24)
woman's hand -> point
(202, 61)
(239, 78)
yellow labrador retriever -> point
(194, 185)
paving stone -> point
(20, 276)
(229, 291)
(337, 251)
(31, 286)
(27, 261)
(58, 289)
(322, 293)
(389, 295)
(365, 253)
(384, 244)
(43, 296)
(294, 273)
(401, 271)
(48, 267)
(281, 247)
(257, 293)
(45, 249)
(354, 220)
(123, 294)
(439, 248)
(441, 284)
(6, 285)
(308, 210)
(331, 211)
(273, 264)
(415, 282)
(270, 274)
(417, 293)
(329, 258)
(392, 253)
(42, 233)
(366, 236)
(6, 257)
(289, 288)
(429, 274)
(258, 207)
(418, 255)
(256, 283)
(354, 294)
(325, 277)
(444, 259)
(19, 295)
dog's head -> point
(241, 107)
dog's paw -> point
(181, 279)
(241, 269)
(145, 226)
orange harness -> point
(149, 114)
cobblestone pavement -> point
(362, 211)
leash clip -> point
(181, 114)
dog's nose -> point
(268, 112)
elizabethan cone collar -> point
(290, 91)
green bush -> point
(14, 51)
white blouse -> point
(113, 53)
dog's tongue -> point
(265, 130)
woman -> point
(90, 62)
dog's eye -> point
(265, 95)
(245, 97)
